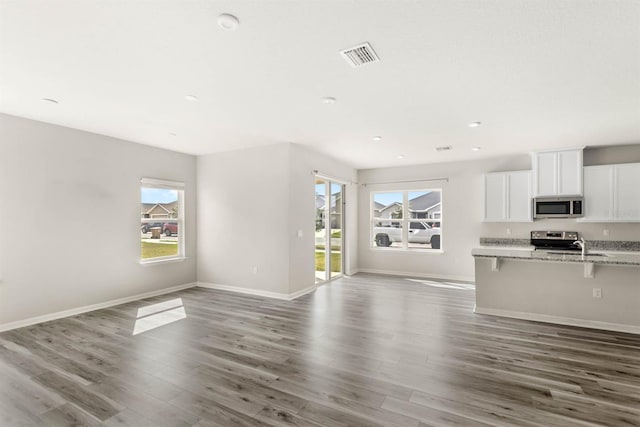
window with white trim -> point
(409, 220)
(161, 220)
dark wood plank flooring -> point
(362, 351)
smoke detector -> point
(228, 22)
(360, 55)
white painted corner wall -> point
(72, 201)
(70, 216)
(243, 199)
(251, 204)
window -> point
(161, 220)
(407, 219)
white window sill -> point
(158, 261)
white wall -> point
(243, 198)
(70, 218)
(462, 224)
(251, 203)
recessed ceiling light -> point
(191, 98)
(401, 156)
(476, 148)
(377, 138)
(328, 100)
(444, 148)
(49, 100)
(228, 22)
(474, 124)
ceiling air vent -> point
(360, 55)
(444, 148)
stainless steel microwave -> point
(557, 207)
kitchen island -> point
(599, 290)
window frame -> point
(179, 187)
(405, 221)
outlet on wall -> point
(508, 231)
(597, 292)
(605, 232)
(254, 270)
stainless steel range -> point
(555, 240)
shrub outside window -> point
(408, 220)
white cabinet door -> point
(495, 208)
(519, 196)
(557, 173)
(598, 193)
(612, 193)
(627, 192)
(546, 174)
(570, 173)
(507, 197)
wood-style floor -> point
(361, 351)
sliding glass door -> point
(329, 253)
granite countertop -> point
(527, 253)
(594, 245)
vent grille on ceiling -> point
(360, 55)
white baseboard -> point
(257, 292)
(594, 324)
(302, 292)
(79, 310)
(421, 275)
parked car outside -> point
(147, 226)
(419, 232)
(170, 228)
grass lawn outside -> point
(335, 262)
(153, 250)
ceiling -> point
(537, 74)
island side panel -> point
(558, 292)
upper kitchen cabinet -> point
(557, 173)
(507, 197)
(612, 193)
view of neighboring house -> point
(159, 210)
(335, 210)
(426, 206)
(388, 210)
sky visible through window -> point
(335, 189)
(158, 195)
(388, 198)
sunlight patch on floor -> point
(447, 285)
(155, 315)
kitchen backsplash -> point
(498, 241)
